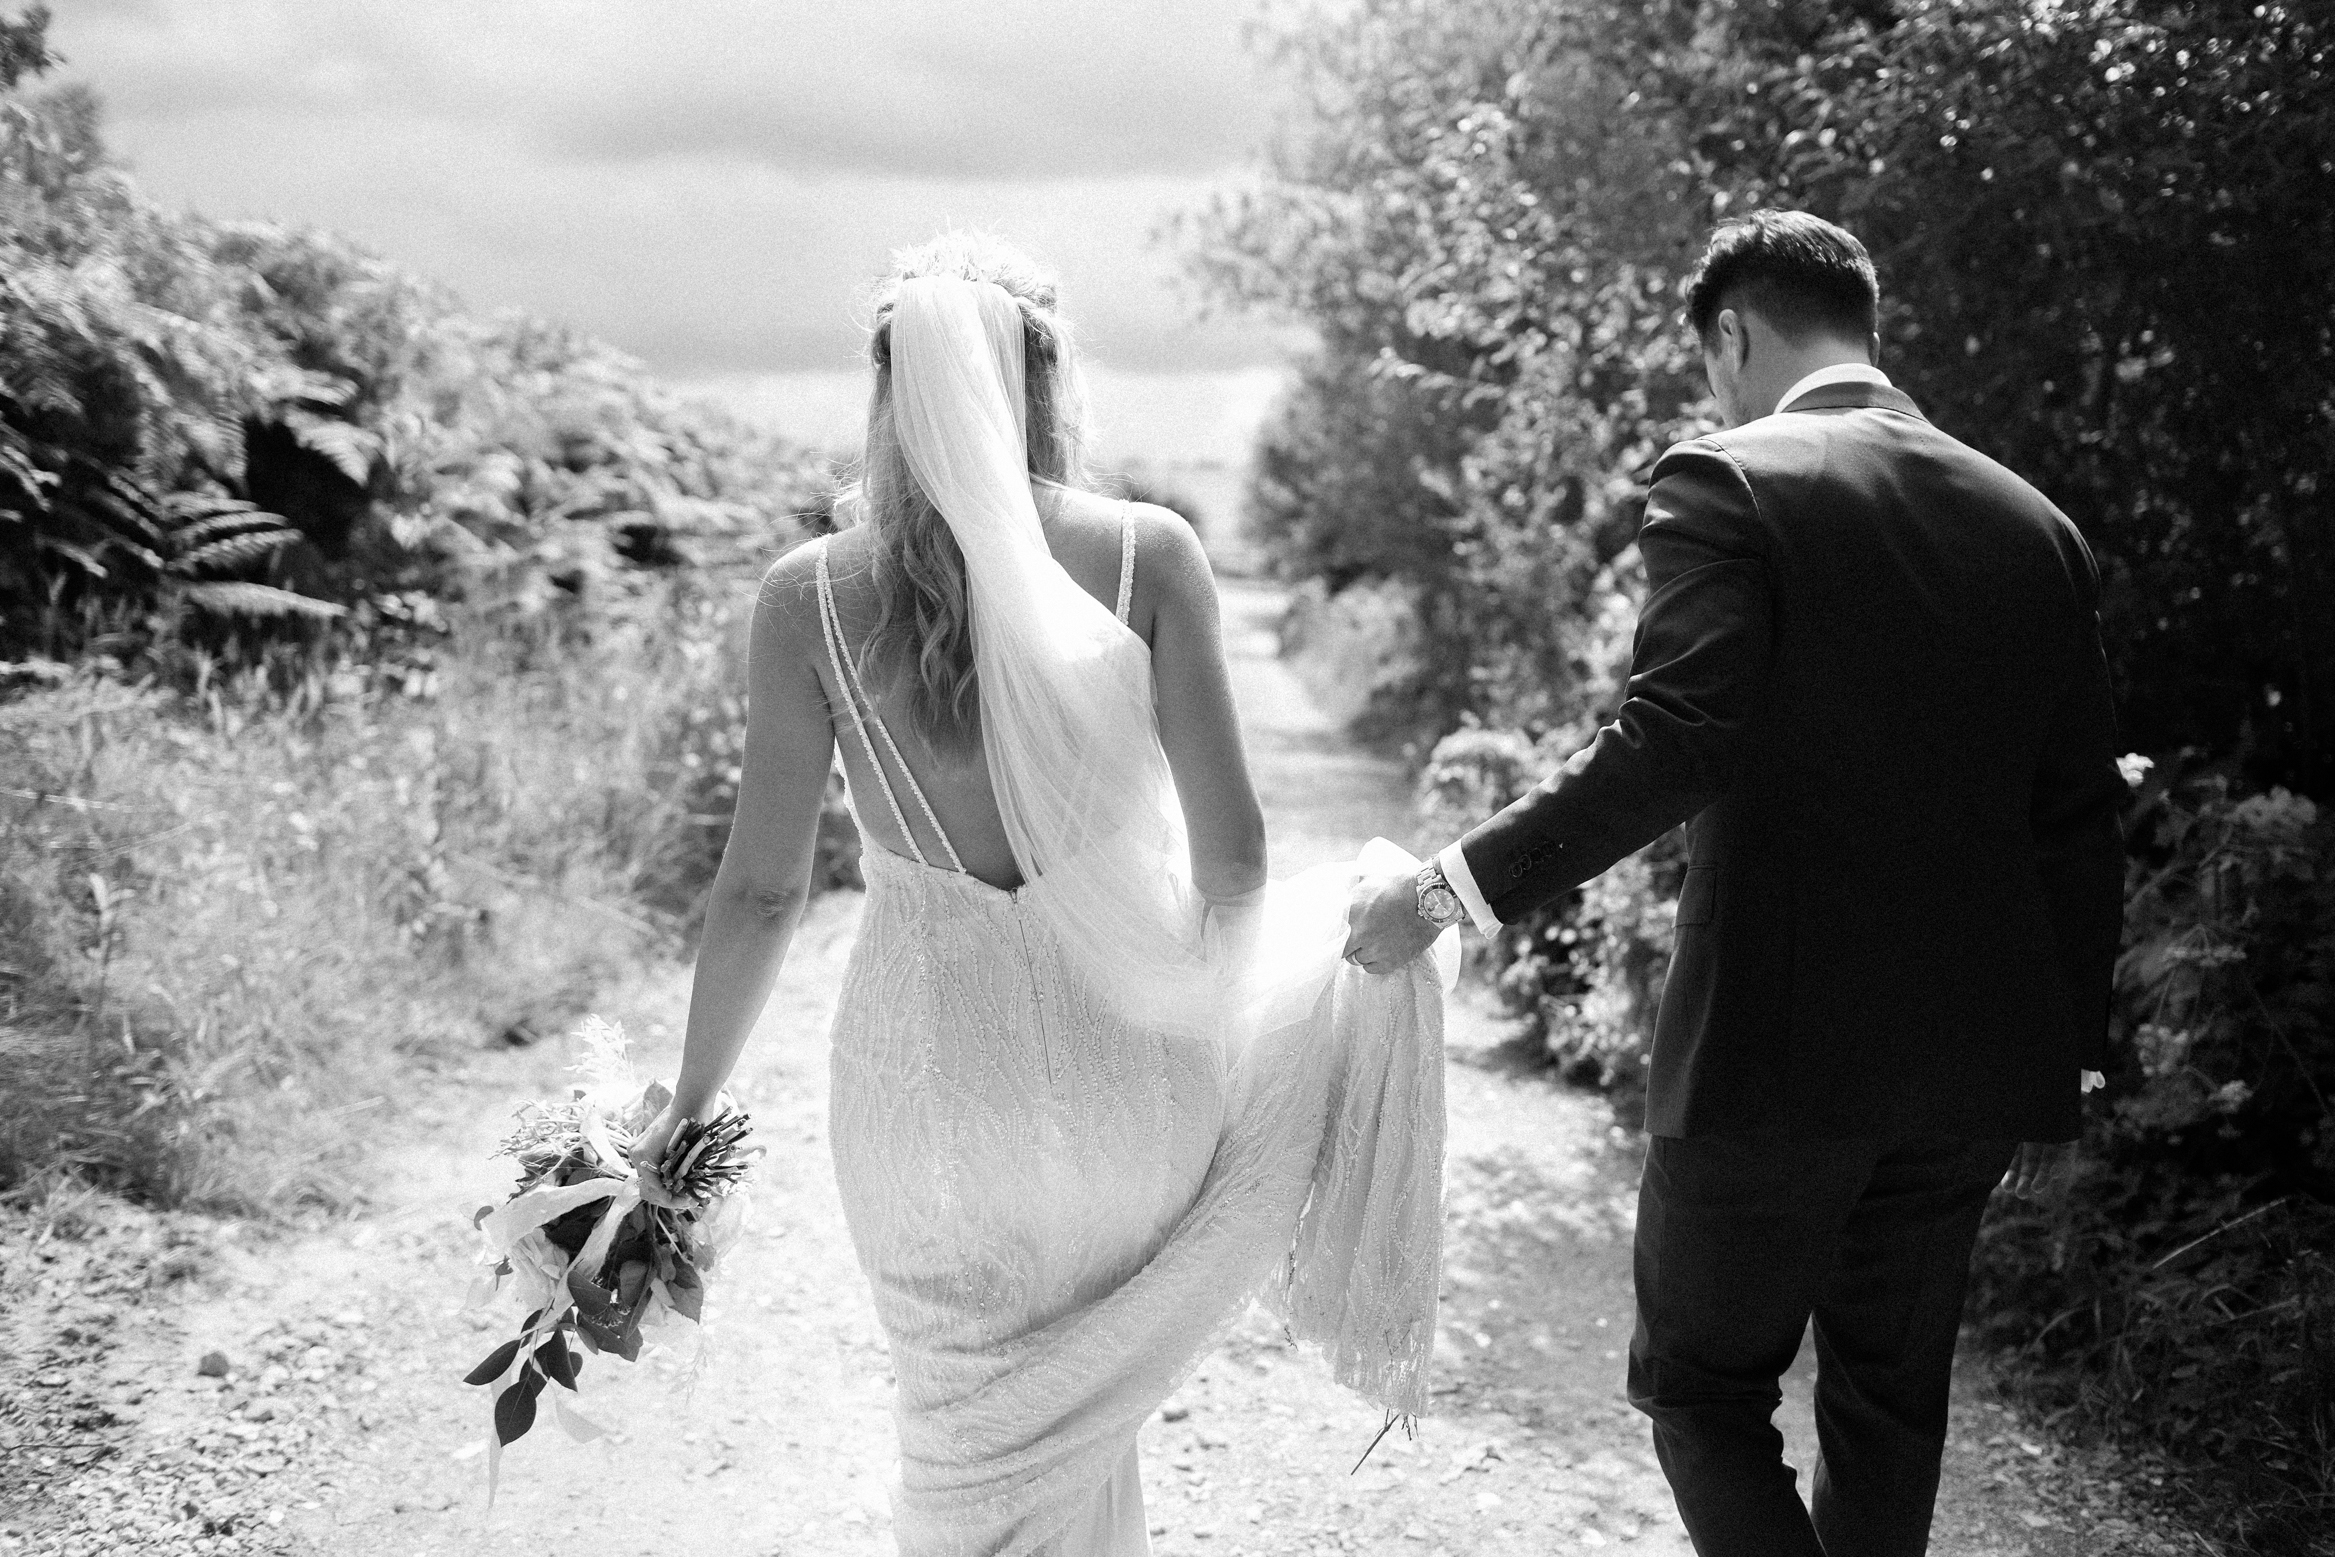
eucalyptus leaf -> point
(557, 1362)
(496, 1364)
(688, 1302)
(515, 1407)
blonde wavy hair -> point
(922, 642)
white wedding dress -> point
(1077, 1126)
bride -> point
(1096, 1084)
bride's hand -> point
(1228, 931)
(648, 1149)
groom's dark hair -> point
(1799, 272)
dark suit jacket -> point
(1869, 668)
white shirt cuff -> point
(1463, 882)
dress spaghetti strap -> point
(854, 694)
(1126, 560)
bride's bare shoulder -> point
(1168, 553)
(795, 571)
(1094, 521)
(786, 606)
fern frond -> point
(122, 504)
(218, 434)
(42, 388)
(350, 447)
(258, 600)
(18, 464)
(284, 383)
(180, 509)
(97, 517)
(236, 551)
(81, 556)
(236, 521)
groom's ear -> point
(1733, 333)
(1873, 348)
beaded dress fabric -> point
(1060, 1212)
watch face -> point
(1440, 905)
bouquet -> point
(595, 1249)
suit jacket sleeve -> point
(1698, 670)
(2079, 842)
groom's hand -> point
(2036, 1170)
(1383, 928)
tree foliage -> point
(1486, 231)
(2107, 230)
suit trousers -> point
(1740, 1243)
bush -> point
(2181, 1296)
(1343, 485)
(1360, 654)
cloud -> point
(710, 186)
(1007, 89)
(695, 266)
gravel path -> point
(332, 1422)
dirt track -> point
(339, 1427)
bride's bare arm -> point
(1197, 722)
(764, 880)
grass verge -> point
(239, 920)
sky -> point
(711, 185)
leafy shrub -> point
(2182, 1295)
(1360, 654)
(1342, 485)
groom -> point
(1868, 668)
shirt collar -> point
(1838, 373)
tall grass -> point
(238, 917)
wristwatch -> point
(1438, 904)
